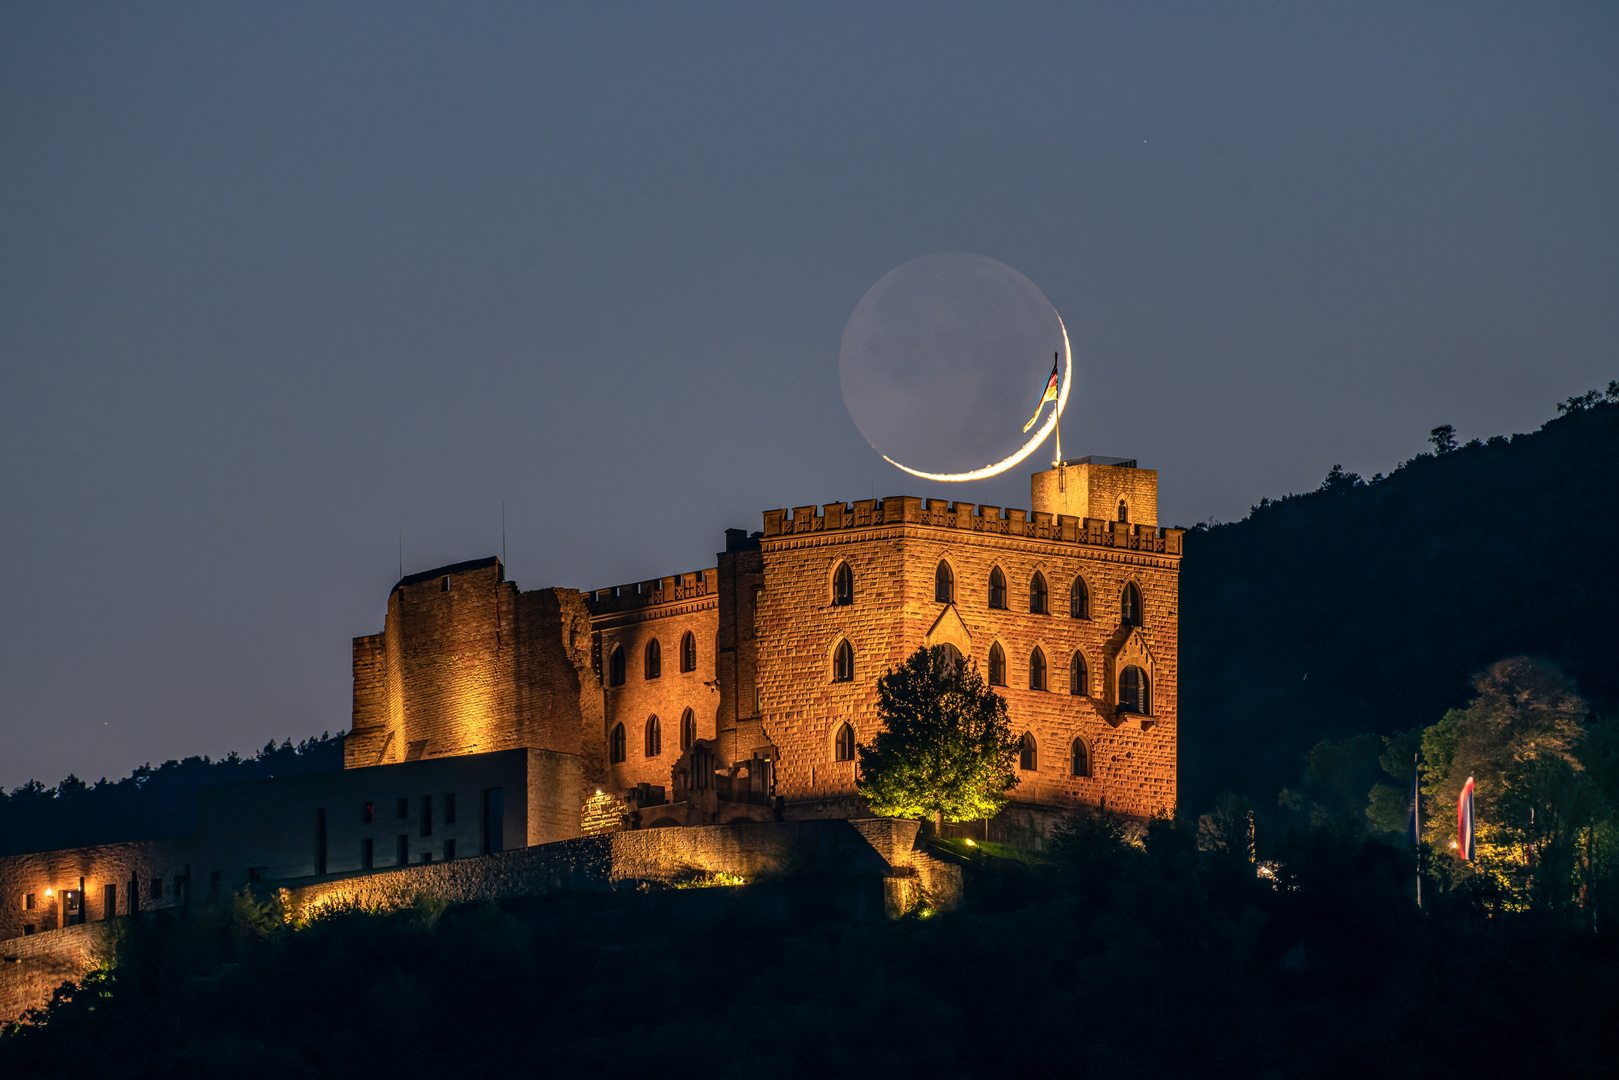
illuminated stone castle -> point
(740, 691)
(489, 720)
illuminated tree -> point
(945, 750)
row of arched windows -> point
(1079, 597)
(651, 659)
(652, 737)
(1133, 683)
(1079, 756)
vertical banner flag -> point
(1464, 821)
(1049, 395)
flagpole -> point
(1058, 404)
(1416, 810)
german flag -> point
(1049, 395)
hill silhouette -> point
(1365, 605)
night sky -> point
(282, 284)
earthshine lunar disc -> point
(942, 363)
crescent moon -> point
(1028, 447)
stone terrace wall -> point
(32, 968)
(880, 848)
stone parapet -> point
(968, 517)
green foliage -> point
(1366, 605)
(1116, 957)
(945, 749)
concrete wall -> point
(268, 830)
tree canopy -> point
(946, 749)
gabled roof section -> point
(948, 629)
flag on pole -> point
(1049, 395)
(1464, 821)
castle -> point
(486, 718)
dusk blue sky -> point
(281, 283)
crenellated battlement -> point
(663, 590)
(970, 517)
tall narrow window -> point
(654, 737)
(654, 659)
(688, 651)
(944, 585)
(1080, 763)
(1124, 511)
(427, 815)
(1078, 680)
(615, 745)
(402, 808)
(842, 586)
(449, 808)
(1028, 758)
(688, 729)
(997, 589)
(843, 745)
(1037, 670)
(1134, 694)
(494, 820)
(1130, 605)
(1079, 600)
(402, 852)
(320, 841)
(843, 662)
(1037, 594)
(368, 813)
(367, 854)
(449, 849)
(949, 661)
(997, 666)
(615, 667)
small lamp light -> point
(971, 844)
(50, 892)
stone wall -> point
(894, 548)
(32, 968)
(631, 617)
(142, 875)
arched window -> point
(688, 651)
(843, 662)
(615, 667)
(654, 737)
(1079, 683)
(1079, 600)
(1037, 670)
(654, 659)
(1037, 594)
(688, 729)
(997, 666)
(1028, 757)
(842, 586)
(949, 660)
(843, 745)
(1124, 511)
(997, 589)
(1134, 694)
(944, 585)
(1130, 605)
(1080, 762)
(615, 745)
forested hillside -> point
(1366, 605)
